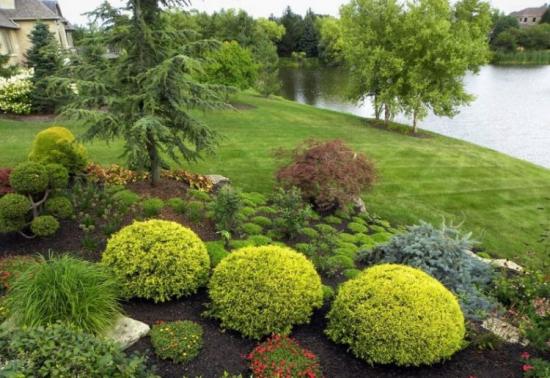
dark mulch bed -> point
(225, 350)
(242, 106)
(30, 117)
(165, 190)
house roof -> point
(530, 12)
(29, 10)
(5, 22)
(53, 5)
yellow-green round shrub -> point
(263, 290)
(57, 145)
(157, 260)
(395, 314)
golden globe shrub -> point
(394, 314)
(57, 145)
(263, 290)
(157, 260)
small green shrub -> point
(351, 273)
(263, 290)
(4, 312)
(68, 290)
(216, 251)
(339, 263)
(238, 244)
(157, 260)
(357, 228)
(29, 178)
(57, 350)
(179, 341)
(282, 356)
(14, 206)
(292, 211)
(252, 229)
(44, 225)
(247, 212)
(152, 207)
(259, 240)
(381, 237)
(261, 221)
(400, 315)
(57, 145)
(58, 176)
(177, 204)
(199, 195)
(60, 207)
(256, 199)
(325, 229)
(331, 219)
(364, 240)
(266, 210)
(346, 238)
(309, 232)
(125, 199)
(328, 293)
(225, 207)
(195, 211)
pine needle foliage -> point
(147, 91)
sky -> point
(73, 9)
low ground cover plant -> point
(179, 341)
(263, 290)
(329, 174)
(58, 350)
(394, 314)
(158, 260)
(64, 289)
(282, 356)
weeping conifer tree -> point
(147, 91)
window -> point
(534, 19)
(5, 41)
(525, 19)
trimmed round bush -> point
(57, 145)
(58, 176)
(14, 206)
(263, 290)
(157, 260)
(44, 225)
(60, 207)
(29, 178)
(11, 225)
(394, 314)
(67, 290)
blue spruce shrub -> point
(442, 253)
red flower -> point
(525, 355)
(526, 367)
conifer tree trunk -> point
(154, 159)
(387, 114)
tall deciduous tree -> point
(44, 57)
(146, 94)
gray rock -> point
(359, 205)
(504, 330)
(126, 331)
(218, 181)
(499, 263)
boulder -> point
(126, 331)
(499, 263)
(218, 181)
(504, 330)
(359, 205)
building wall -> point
(21, 42)
(528, 20)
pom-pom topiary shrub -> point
(157, 260)
(263, 290)
(57, 145)
(394, 314)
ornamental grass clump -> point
(282, 356)
(158, 260)
(263, 290)
(67, 290)
(394, 314)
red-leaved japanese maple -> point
(329, 174)
(5, 186)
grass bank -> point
(505, 202)
(521, 57)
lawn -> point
(503, 201)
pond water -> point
(511, 113)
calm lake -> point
(511, 113)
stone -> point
(499, 263)
(127, 331)
(504, 330)
(359, 205)
(218, 181)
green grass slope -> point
(505, 202)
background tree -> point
(546, 17)
(502, 23)
(440, 45)
(371, 30)
(147, 93)
(330, 41)
(6, 69)
(231, 65)
(309, 40)
(294, 26)
(45, 58)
